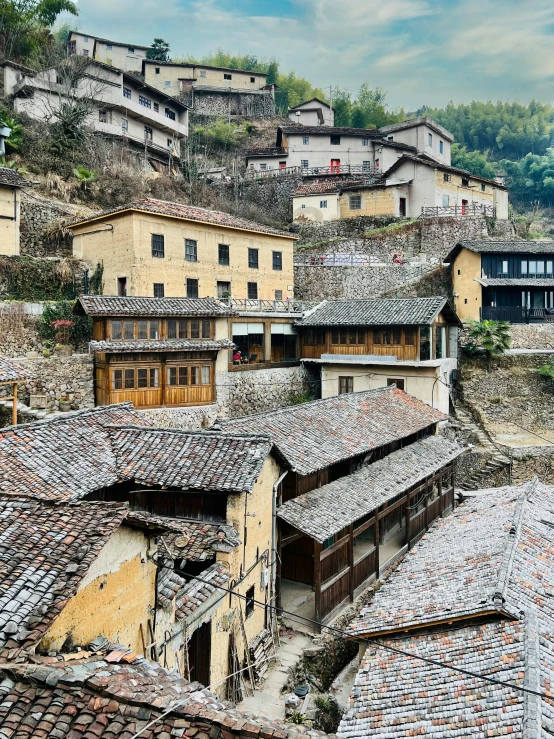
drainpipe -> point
(272, 599)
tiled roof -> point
(188, 596)
(12, 372)
(324, 512)
(12, 178)
(267, 151)
(422, 159)
(411, 122)
(63, 458)
(190, 460)
(509, 247)
(45, 551)
(187, 213)
(166, 345)
(331, 131)
(315, 435)
(395, 696)
(325, 187)
(101, 305)
(516, 282)
(117, 694)
(377, 312)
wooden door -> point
(335, 166)
(200, 654)
(402, 207)
(464, 207)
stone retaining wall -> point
(236, 103)
(18, 334)
(533, 336)
(187, 419)
(258, 391)
(38, 215)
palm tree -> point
(15, 140)
(84, 175)
(492, 337)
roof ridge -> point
(68, 417)
(208, 433)
(532, 712)
(499, 594)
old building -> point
(341, 448)
(314, 112)
(122, 106)
(471, 599)
(503, 280)
(11, 184)
(356, 345)
(161, 249)
(11, 376)
(209, 496)
(127, 57)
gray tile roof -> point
(106, 305)
(188, 596)
(367, 133)
(432, 163)
(495, 554)
(313, 436)
(516, 282)
(45, 551)
(186, 213)
(324, 512)
(167, 345)
(12, 178)
(12, 372)
(190, 460)
(377, 312)
(509, 247)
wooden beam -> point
(351, 561)
(14, 409)
(408, 519)
(377, 544)
(317, 579)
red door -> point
(464, 207)
(282, 165)
(335, 166)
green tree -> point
(159, 51)
(472, 161)
(272, 72)
(491, 337)
(84, 175)
(15, 141)
(342, 104)
(25, 24)
(547, 370)
(531, 179)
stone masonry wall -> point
(38, 216)
(533, 336)
(215, 103)
(186, 419)
(18, 333)
(256, 391)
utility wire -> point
(380, 645)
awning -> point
(324, 512)
(283, 328)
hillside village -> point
(276, 415)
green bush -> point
(80, 333)
(34, 280)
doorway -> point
(465, 203)
(402, 207)
(223, 289)
(335, 166)
(200, 654)
(122, 287)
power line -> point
(374, 642)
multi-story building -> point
(121, 105)
(10, 210)
(314, 112)
(127, 57)
(161, 249)
(503, 280)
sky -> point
(423, 52)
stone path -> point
(268, 701)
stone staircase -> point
(496, 461)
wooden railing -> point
(471, 209)
(270, 306)
(364, 568)
(513, 314)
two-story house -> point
(356, 345)
(127, 57)
(121, 105)
(314, 112)
(503, 280)
(178, 77)
(162, 249)
(11, 184)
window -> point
(167, 83)
(347, 336)
(314, 337)
(117, 330)
(128, 330)
(305, 140)
(441, 147)
(159, 290)
(549, 268)
(263, 166)
(109, 47)
(202, 73)
(304, 163)
(147, 377)
(145, 101)
(483, 187)
(131, 50)
(227, 76)
(532, 267)
(249, 338)
(335, 140)
(395, 381)
(440, 342)
(278, 294)
(504, 267)
(445, 201)
(524, 267)
(117, 379)
(223, 254)
(252, 291)
(387, 336)
(253, 258)
(249, 607)
(170, 143)
(425, 343)
(277, 260)
(103, 116)
(122, 286)
(156, 108)
(540, 268)
(366, 166)
(142, 329)
(322, 203)
(447, 177)
(179, 375)
(158, 245)
(365, 142)
(430, 139)
(86, 38)
(390, 138)
(191, 250)
(303, 205)
(177, 329)
(129, 375)
(465, 182)
(124, 124)
(157, 70)
(355, 202)
(147, 133)
(223, 289)
(346, 385)
(252, 79)
(192, 288)
(85, 52)
(169, 114)
(409, 337)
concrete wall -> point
(114, 597)
(418, 136)
(467, 293)
(126, 251)
(309, 207)
(119, 55)
(10, 203)
(319, 151)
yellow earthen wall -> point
(377, 202)
(468, 293)
(126, 251)
(9, 229)
(114, 597)
(457, 193)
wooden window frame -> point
(346, 381)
